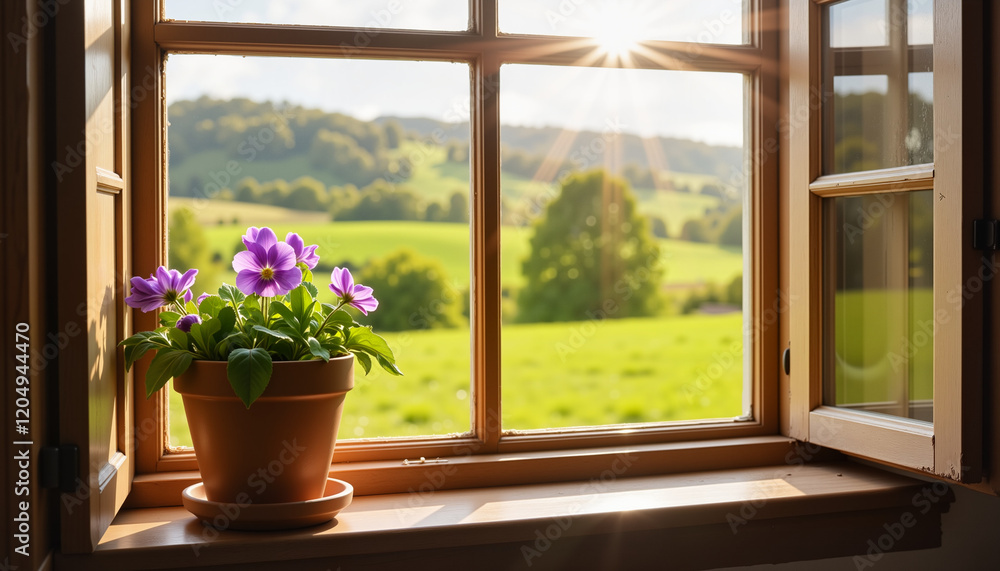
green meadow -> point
(553, 375)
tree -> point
(732, 228)
(591, 255)
(694, 231)
(659, 227)
(416, 292)
(383, 201)
(458, 208)
(307, 193)
(435, 212)
(187, 247)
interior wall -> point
(968, 542)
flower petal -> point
(187, 280)
(246, 260)
(265, 238)
(281, 257)
(295, 241)
(246, 281)
(250, 236)
(287, 280)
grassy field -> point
(686, 263)
(886, 341)
(554, 375)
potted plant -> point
(263, 367)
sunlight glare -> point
(614, 31)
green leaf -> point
(135, 352)
(140, 337)
(363, 338)
(231, 294)
(298, 301)
(307, 278)
(202, 333)
(169, 318)
(317, 350)
(227, 320)
(190, 307)
(249, 371)
(271, 332)
(313, 291)
(178, 339)
(166, 364)
(286, 313)
(365, 361)
(211, 306)
(390, 367)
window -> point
(689, 172)
(882, 196)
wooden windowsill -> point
(700, 519)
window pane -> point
(623, 208)
(373, 15)
(880, 303)
(878, 79)
(330, 150)
(705, 21)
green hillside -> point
(663, 377)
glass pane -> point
(878, 81)
(623, 212)
(879, 303)
(612, 22)
(328, 149)
(372, 15)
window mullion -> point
(485, 117)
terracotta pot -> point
(279, 450)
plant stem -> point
(327, 319)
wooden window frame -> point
(952, 447)
(481, 459)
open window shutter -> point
(950, 447)
(90, 173)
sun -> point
(614, 32)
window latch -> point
(986, 234)
(424, 461)
(57, 467)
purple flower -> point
(303, 254)
(202, 297)
(251, 236)
(267, 267)
(358, 296)
(162, 288)
(186, 321)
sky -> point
(701, 106)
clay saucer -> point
(223, 515)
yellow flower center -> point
(267, 273)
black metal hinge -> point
(58, 466)
(986, 234)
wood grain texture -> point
(94, 410)
(774, 498)
(958, 162)
(481, 470)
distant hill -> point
(680, 155)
